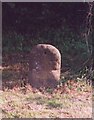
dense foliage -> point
(59, 24)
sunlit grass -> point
(69, 99)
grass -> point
(54, 103)
(37, 98)
(68, 100)
(35, 104)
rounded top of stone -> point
(47, 45)
(50, 47)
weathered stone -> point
(44, 66)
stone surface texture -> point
(44, 66)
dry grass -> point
(60, 103)
(71, 100)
